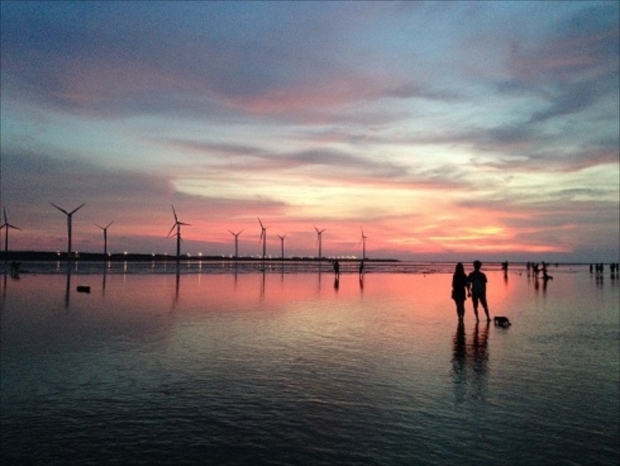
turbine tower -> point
(236, 235)
(69, 225)
(8, 226)
(105, 237)
(282, 244)
(319, 240)
(263, 237)
(363, 242)
(177, 225)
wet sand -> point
(290, 368)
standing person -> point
(337, 269)
(477, 287)
(459, 288)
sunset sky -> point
(445, 130)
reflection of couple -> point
(474, 285)
(470, 358)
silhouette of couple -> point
(474, 285)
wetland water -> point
(210, 366)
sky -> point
(442, 130)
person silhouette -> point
(477, 289)
(337, 269)
(459, 288)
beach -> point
(221, 364)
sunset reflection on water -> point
(244, 363)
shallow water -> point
(288, 367)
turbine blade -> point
(261, 223)
(174, 212)
(76, 209)
(171, 230)
(60, 208)
(108, 225)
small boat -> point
(83, 289)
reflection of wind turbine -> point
(282, 244)
(363, 242)
(263, 237)
(177, 225)
(69, 225)
(236, 235)
(8, 226)
(319, 240)
(105, 237)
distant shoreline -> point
(129, 257)
(53, 256)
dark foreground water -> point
(290, 367)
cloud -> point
(35, 176)
(418, 119)
(327, 166)
(583, 46)
(117, 60)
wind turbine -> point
(105, 237)
(363, 242)
(263, 237)
(8, 226)
(319, 240)
(177, 225)
(236, 235)
(69, 224)
(282, 244)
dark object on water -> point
(15, 269)
(501, 321)
(83, 289)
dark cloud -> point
(576, 98)
(242, 158)
(87, 56)
(30, 181)
(196, 59)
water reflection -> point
(320, 273)
(4, 280)
(470, 362)
(177, 285)
(104, 277)
(249, 281)
(68, 287)
(262, 285)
